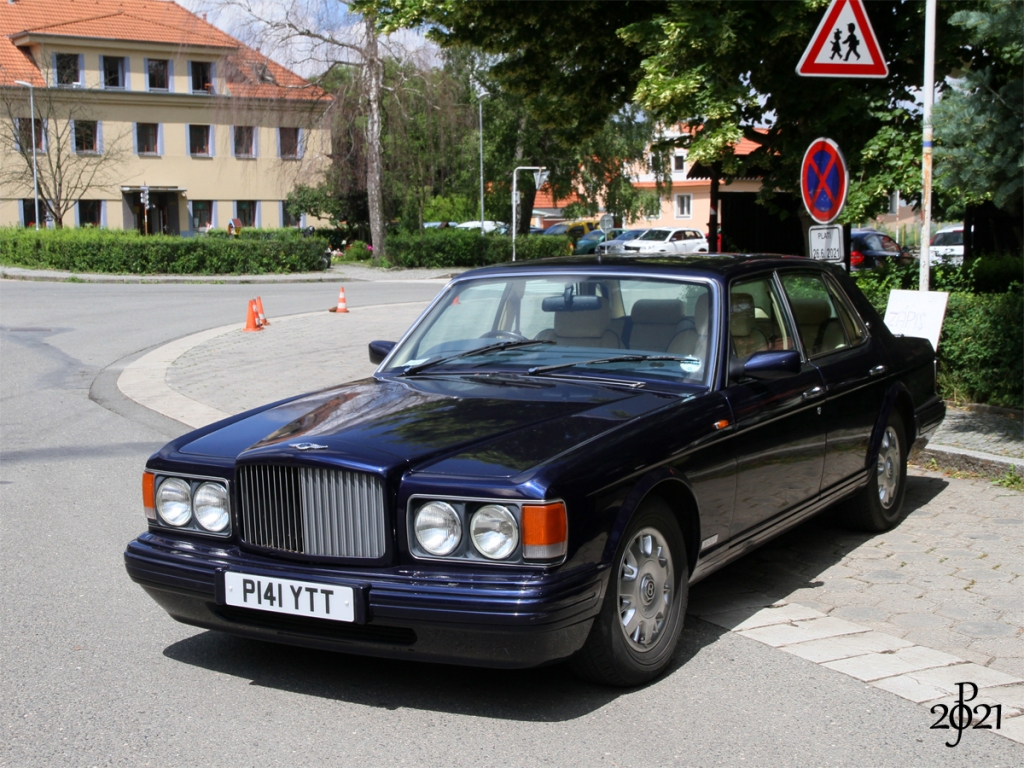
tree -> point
(72, 157)
(724, 68)
(979, 154)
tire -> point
(637, 630)
(880, 506)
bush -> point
(115, 251)
(358, 251)
(981, 350)
(467, 248)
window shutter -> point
(81, 70)
(135, 138)
(56, 76)
(255, 141)
(256, 219)
(302, 143)
(170, 75)
(277, 136)
(160, 139)
(212, 143)
(188, 139)
(127, 73)
(213, 83)
(78, 214)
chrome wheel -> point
(645, 589)
(888, 468)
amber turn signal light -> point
(149, 495)
(545, 531)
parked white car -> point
(489, 226)
(615, 245)
(663, 240)
(947, 246)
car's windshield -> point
(631, 234)
(597, 234)
(656, 234)
(557, 229)
(949, 238)
(647, 328)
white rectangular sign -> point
(917, 313)
(826, 243)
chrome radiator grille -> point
(322, 512)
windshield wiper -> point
(471, 352)
(619, 359)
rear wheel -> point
(880, 507)
(635, 634)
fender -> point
(896, 393)
(664, 475)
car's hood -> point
(495, 426)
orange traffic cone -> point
(251, 323)
(259, 311)
(342, 306)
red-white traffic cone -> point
(342, 306)
(259, 311)
(251, 323)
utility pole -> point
(926, 159)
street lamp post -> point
(539, 170)
(480, 93)
(35, 165)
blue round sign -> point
(823, 180)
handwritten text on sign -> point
(917, 313)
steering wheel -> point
(503, 335)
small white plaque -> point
(826, 243)
(917, 313)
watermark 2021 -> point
(961, 717)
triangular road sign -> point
(844, 45)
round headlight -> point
(438, 528)
(494, 531)
(211, 505)
(174, 501)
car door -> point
(779, 438)
(836, 341)
(677, 242)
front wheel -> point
(880, 507)
(637, 630)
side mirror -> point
(379, 350)
(766, 366)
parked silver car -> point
(666, 240)
(615, 245)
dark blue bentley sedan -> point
(542, 465)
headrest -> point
(657, 311)
(741, 314)
(811, 311)
(589, 324)
(700, 314)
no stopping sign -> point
(823, 180)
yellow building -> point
(137, 98)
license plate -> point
(295, 598)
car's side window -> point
(756, 321)
(814, 309)
(853, 324)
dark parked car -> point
(870, 248)
(543, 464)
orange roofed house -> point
(142, 94)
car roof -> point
(715, 266)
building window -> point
(199, 140)
(287, 219)
(244, 141)
(90, 213)
(28, 211)
(683, 206)
(202, 214)
(29, 129)
(86, 137)
(113, 72)
(156, 72)
(147, 137)
(67, 69)
(202, 79)
(679, 163)
(289, 138)
(245, 211)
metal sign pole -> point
(926, 159)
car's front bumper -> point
(496, 618)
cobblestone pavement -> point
(1001, 434)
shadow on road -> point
(547, 694)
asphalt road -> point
(92, 672)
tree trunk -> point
(527, 197)
(373, 77)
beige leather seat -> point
(693, 341)
(819, 331)
(655, 322)
(588, 328)
(747, 338)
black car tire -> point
(880, 505)
(609, 656)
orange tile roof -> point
(141, 21)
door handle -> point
(877, 370)
(812, 392)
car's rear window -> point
(949, 238)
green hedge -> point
(981, 350)
(114, 251)
(467, 248)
